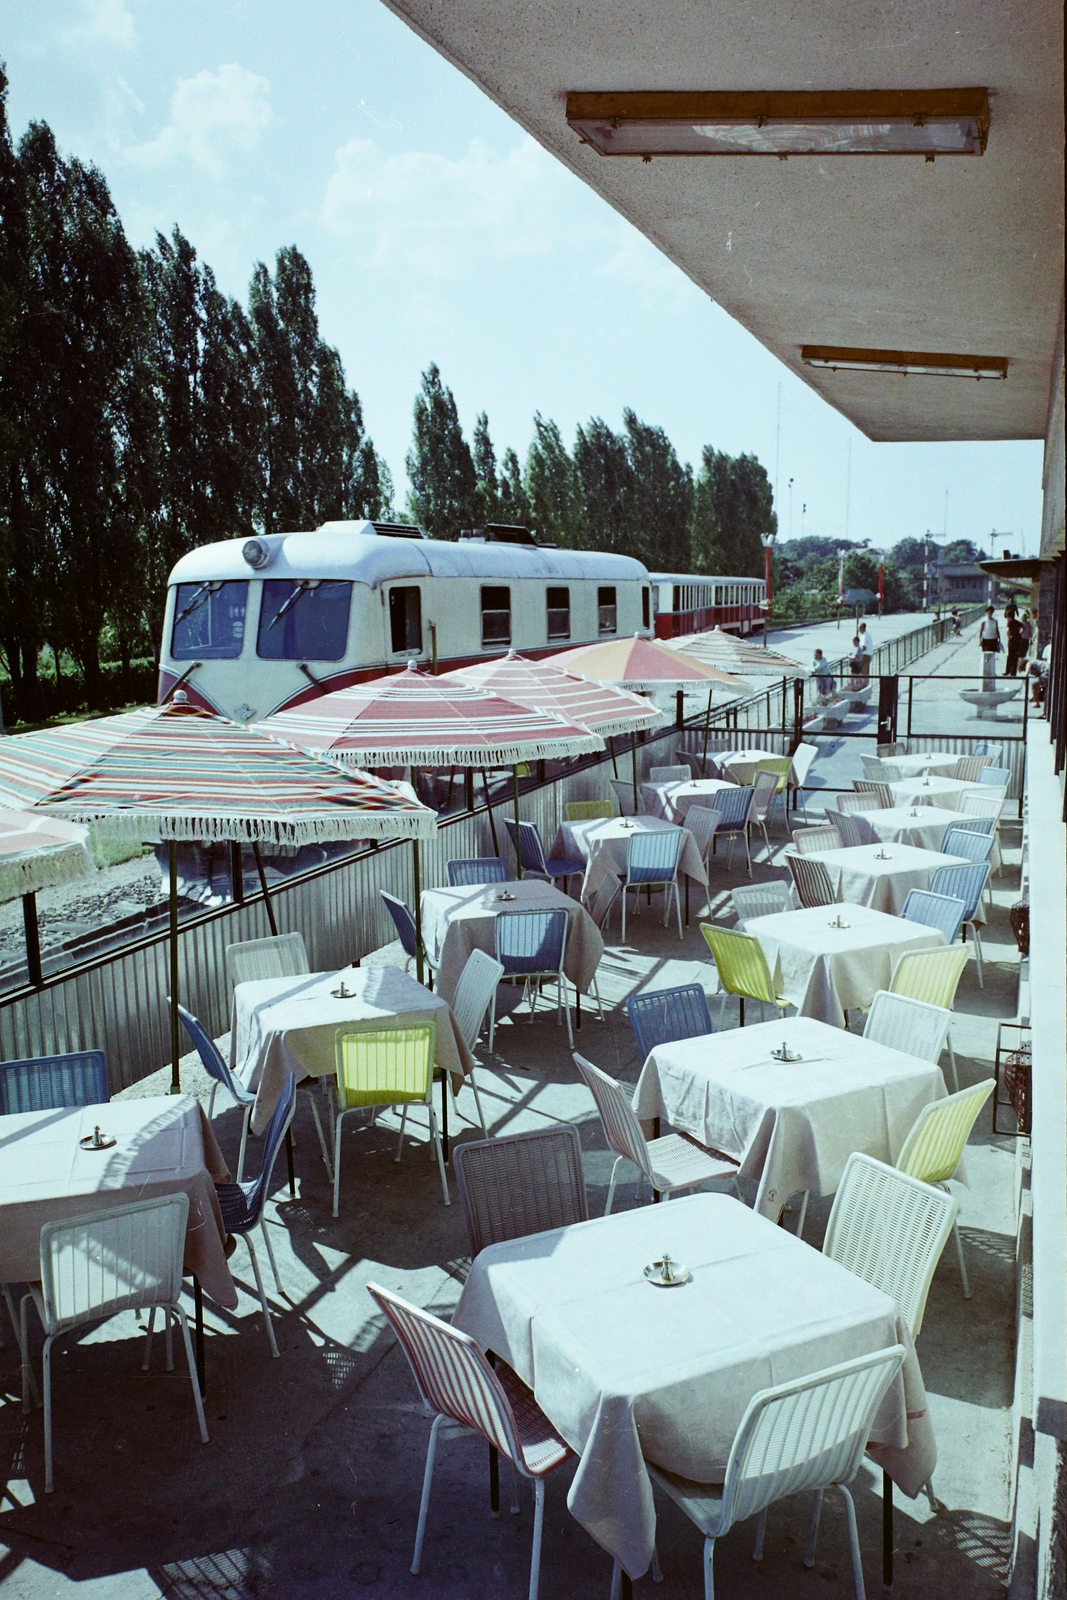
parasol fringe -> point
(497, 755)
(33, 870)
(158, 827)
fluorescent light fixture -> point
(920, 363)
(840, 122)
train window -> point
(607, 612)
(718, 594)
(303, 619)
(209, 621)
(646, 610)
(559, 613)
(496, 616)
(405, 618)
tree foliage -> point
(444, 494)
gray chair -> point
(881, 790)
(760, 900)
(846, 827)
(810, 841)
(525, 1183)
(862, 800)
(812, 880)
(668, 775)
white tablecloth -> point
(164, 1145)
(932, 791)
(457, 921)
(627, 1372)
(922, 826)
(743, 765)
(672, 800)
(826, 971)
(942, 764)
(290, 1025)
(792, 1126)
(602, 846)
(860, 878)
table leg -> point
(577, 1006)
(627, 1586)
(887, 1529)
(289, 1162)
(198, 1312)
(444, 1114)
(494, 1480)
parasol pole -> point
(33, 941)
(518, 846)
(707, 730)
(175, 1047)
(489, 808)
(633, 752)
(418, 909)
(263, 885)
(614, 763)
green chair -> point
(742, 968)
(588, 810)
(385, 1067)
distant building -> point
(958, 583)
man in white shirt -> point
(989, 640)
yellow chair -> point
(588, 810)
(935, 1144)
(932, 976)
(386, 1067)
(742, 968)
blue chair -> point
(404, 923)
(995, 777)
(966, 884)
(531, 945)
(242, 1204)
(668, 1014)
(987, 747)
(652, 863)
(470, 874)
(48, 1083)
(734, 806)
(217, 1068)
(935, 911)
(532, 854)
(970, 843)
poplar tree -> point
(733, 504)
(606, 479)
(514, 501)
(659, 504)
(484, 457)
(553, 487)
(444, 486)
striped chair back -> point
(668, 1014)
(973, 844)
(621, 1127)
(881, 790)
(115, 1259)
(531, 850)
(935, 911)
(846, 826)
(528, 942)
(812, 880)
(283, 956)
(810, 841)
(968, 768)
(962, 883)
(520, 1184)
(384, 1066)
(453, 1376)
(733, 806)
(653, 857)
(588, 810)
(930, 975)
(703, 824)
(995, 777)
(761, 899)
(468, 874)
(935, 1144)
(740, 962)
(48, 1083)
(669, 775)
(861, 800)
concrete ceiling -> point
(964, 255)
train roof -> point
(698, 577)
(354, 551)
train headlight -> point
(257, 553)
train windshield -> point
(209, 621)
(303, 620)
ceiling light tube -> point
(918, 363)
(847, 122)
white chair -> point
(807, 1434)
(474, 992)
(890, 1229)
(764, 789)
(760, 900)
(873, 769)
(860, 800)
(668, 775)
(458, 1385)
(283, 956)
(701, 822)
(803, 756)
(911, 1026)
(125, 1258)
(668, 1163)
(624, 794)
(933, 1148)
(811, 841)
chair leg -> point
(761, 1529)
(611, 1186)
(262, 1294)
(854, 1544)
(436, 1137)
(803, 1215)
(148, 1339)
(400, 1141)
(244, 1141)
(616, 1580)
(813, 1529)
(963, 1264)
(709, 1569)
(492, 1020)
(424, 1503)
(168, 1338)
(952, 1063)
(211, 1100)
(678, 905)
(596, 996)
(538, 1530)
(977, 951)
(46, 1379)
(190, 1362)
(657, 1570)
(337, 1162)
(624, 888)
(564, 1001)
(270, 1251)
(478, 1103)
(318, 1130)
(29, 1382)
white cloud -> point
(435, 214)
(106, 22)
(214, 117)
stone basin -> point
(986, 701)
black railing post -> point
(34, 971)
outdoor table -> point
(627, 1372)
(602, 845)
(861, 878)
(457, 921)
(672, 800)
(791, 1126)
(290, 1025)
(923, 826)
(940, 762)
(743, 765)
(934, 791)
(825, 971)
(164, 1145)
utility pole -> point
(841, 554)
(777, 444)
(926, 571)
(848, 489)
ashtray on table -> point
(785, 1054)
(505, 896)
(97, 1140)
(667, 1274)
(837, 923)
(342, 993)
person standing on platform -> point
(989, 641)
(1014, 630)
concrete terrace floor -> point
(309, 1487)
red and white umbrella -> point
(547, 686)
(720, 649)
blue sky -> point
(437, 230)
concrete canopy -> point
(964, 255)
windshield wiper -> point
(200, 598)
(289, 602)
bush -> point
(67, 698)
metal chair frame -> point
(533, 856)
(553, 924)
(658, 874)
(422, 1038)
(472, 873)
(812, 880)
(735, 818)
(730, 950)
(661, 1016)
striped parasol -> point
(37, 852)
(177, 772)
(726, 650)
(412, 719)
(638, 662)
(542, 684)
